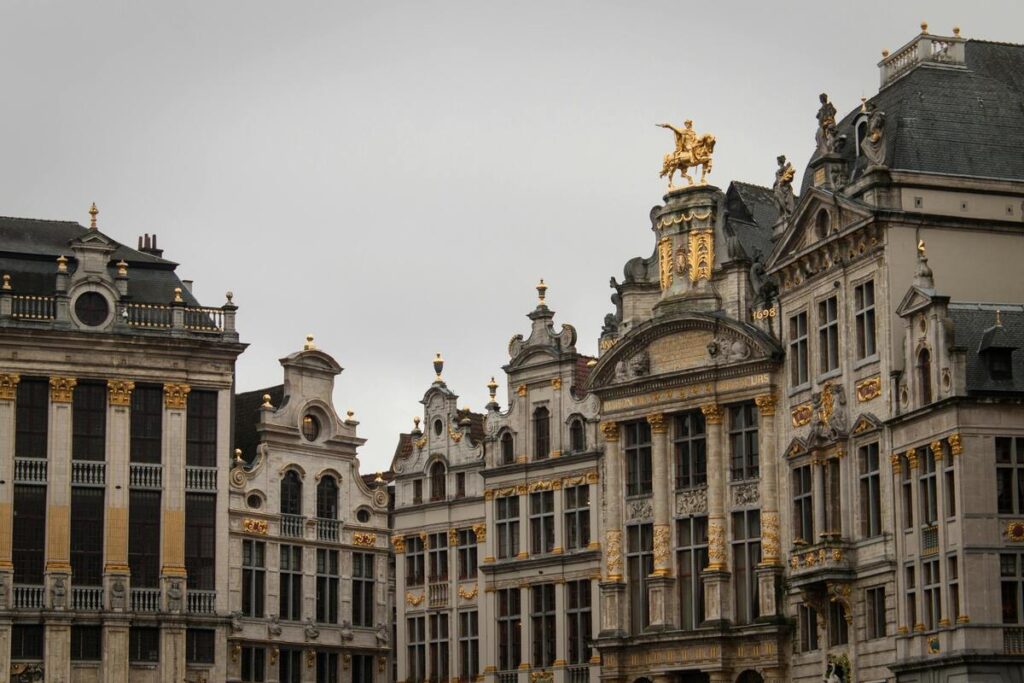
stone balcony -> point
(828, 560)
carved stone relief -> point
(746, 493)
(640, 509)
(692, 502)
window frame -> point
(638, 453)
(799, 350)
(828, 335)
(364, 566)
(543, 629)
(542, 522)
(746, 555)
(744, 445)
(290, 584)
(689, 443)
(639, 567)
(328, 582)
(506, 526)
(691, 561)
(865, 320)
(577, 517)
(578, 621)
(254, 578)
(869, 487)
(541, 423)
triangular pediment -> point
(916, 299)
(93, 239)
(802, 232)
(865, 424)
(796, 448)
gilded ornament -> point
(896, 461)
(657, 422)
(955, 447)
(716, 545)
(691, 151)
(912, 458)
(936, 448)
(453, 537)
(521, 390)
(868, 389)
(9, 386)
(120, 392)
(683, 217)
(480, 530)
(556, 383)
(1015, 531)
(837, 555)
(713, 413)
(665, 262)
(770, 546)
(62, 388)
(255, 526)
(662, 543)
(456, 436)
(766, 404)
(421, 442)
(702, 254)
(613, 556)
(414, 600)
(399, 543)
(468, 595)
(176, 396)
(610, 431)
(802, 414)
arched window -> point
(507, 449)
(862, 133)
(577, 437)
(924, 375)
(437, 481)
(821, 224)
(327, 498)
(291, 493)
(541, 433)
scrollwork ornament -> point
(713, 413)
(716, 545)
(9, 386)
(770, 546)
(662, 543)
(613, 554)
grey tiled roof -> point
(247, 417)
(752, 213)
(973, 323)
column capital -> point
(119, 392)
(613, 554)
(912, 458)
(713, 413)
(936, 447)
(61, 389)
(176, 396)
(955, 447)
(657, 422)
(610, 431)
(9, 386)
(897, 466)
(766, 404)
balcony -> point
(577, 674)
(327, 529)
(33, 307)
(30, 470)
(437, 594)
(828, 559)
(87, 598)
(88, 473)
(145, 599)
(144, 476)
(507, 677)
(200, 479)
(201, 602)
(292, 525)
(28, 597)
(924, 49)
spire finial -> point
(177, 295)
(924, 27)
(956, 31)
(93, 212)
(999, 320)
(62, 264)
(492, 388)
(438, 367)
(309, 345)
(920, 249)
(541, 292)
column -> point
(915, 538)
(115, 561)
(487, 540)
(596, 505)
(818, 483)
(525, 631)
(401, 635)
(660, 584)
(613, 589)
(58, 533)
(717, 603)
(488, 644)
(172, 570)
(559, 498)
(769, 572)
(524, 522)
(560, 631)
(8, 397)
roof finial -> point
(863, 104)
(177, 295)
(62, 264)
(93, 212)
(924, 27)
(956, 31)
(492, 389)
(999, 320)
(541, 292)
(379, 479)
(438, 367)
(920, 249)
(309, 345)
(885, 52)
(238, 456)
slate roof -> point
(247, 417)
(973, 324)
(957, 121)
(29, 248)
(751, 214)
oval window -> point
(310, 427)
(92, 308)
(363, 516)
(254, 501)
(438, 427)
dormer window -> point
(924, 375)
(507, 449)
(577, 437)
(861, 130)
(1000, 363)
(437, 481)
(310, 427)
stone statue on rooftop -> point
(783, 187)
(826, 133)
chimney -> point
(147, 245)
(188, 285)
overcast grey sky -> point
(394, 177)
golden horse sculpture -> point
(691, 151)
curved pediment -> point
(683, 344)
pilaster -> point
(5, 644)
(58, 495)
(115, 649)
(172, 651)
(57, 649)
(173, 524)
(118, 454)
(8, 398)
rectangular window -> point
(460, 485)
(1010, 475)
(438, 557)
(833, 498)
(953, 579)
(86, 643)
(542, 616)
(1011, 574)
(864, 314)
(927, 486)
(838, 631)
(327, 667)
(290, 604)
(578, 620)
(746, 553)
(253, 664)
(327, 586)
(577, 517)
(199, 645)
(29, 533)
(144, 644)
(907, 497)
(438, 647)
(89, 421)
(26, 642)
(417, 491)
(803, 505)
(509, 631)
(201, 429)
(32, 418)
(147, 422)
(949, 484)
(289, 665)
(743, 441)
(362, 669)
(416, 648)
(931, 593)
(691, 560)
(469, 646)
(201, 540)
(828, 335)
(690, 440)
(639, 472)
(874, 609)
(253, 578)
(362, 588)
(415, 561)
(870, 491)
(542, 522)
(808, 618)
(798, 369)
(910, 591)
(639, 566)
(467, 554)
(144, 538)
(87, 535)
(506, 515)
